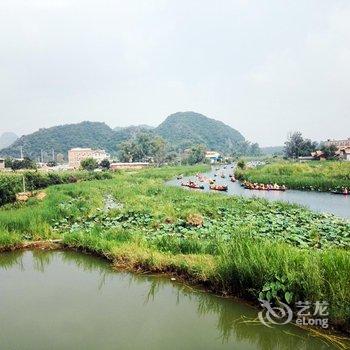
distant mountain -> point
(61, 139)
(184, 129)
(64, 137)
(181, 130)
(278, 150)
(7, 138)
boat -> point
(193, 185)
(341, 192)
(218, 188)
(262, 187)
(180, 177)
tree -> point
(105, 164)
(241, 164)
(89, 164)
(329, 151)
(8, 163)
(296, 146)
(196, 155)
(142, 147)
(254, 149)
(25, 163)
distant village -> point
(77, 155)
(341, 147)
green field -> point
(311, 176)
(232, 245)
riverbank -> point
(230, 245)
(324, 176)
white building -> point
(2, 164)
(76, 155)
(213, 156)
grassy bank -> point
(317, 176)
(12, 183)
(230, 244)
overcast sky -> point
(263, 67)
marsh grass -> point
(319, 176)
(241, 245)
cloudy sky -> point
(265, 67)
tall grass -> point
(321, 176)
(152, 230)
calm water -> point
(65, 300)
(318, 201)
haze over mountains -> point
(7, 138)
(179, 130)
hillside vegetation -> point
(184, 129)
(320, 176)
(64, 137)
(180, 131)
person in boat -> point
(276, 187)
(345, 190)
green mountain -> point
(61, 139)
(184, 129)
(7, 138)
(180, 130)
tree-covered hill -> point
(180, 130)
(184, 129)
(61, 139)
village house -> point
(77, 155)
(2, 164)
(343, 147)
(128, 166)
(213, 156)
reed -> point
(312, 176)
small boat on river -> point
(344, 192)
(193, 185)
(263, 187)
(219, 188)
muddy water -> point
(66, 300)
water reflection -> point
(234, 321)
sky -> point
(264, 67)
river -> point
(67, 300)
(316, 201)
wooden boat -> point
(341, 192)
(218, 188)
(193, 185)
(262, 187)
